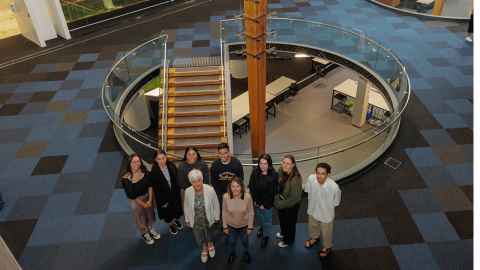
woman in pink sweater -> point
(237, 215)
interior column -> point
(360, 107)
(255, 19)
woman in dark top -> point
(287, 200)
(139, 192)
(191, 160)
(167, 193)
(263, 186)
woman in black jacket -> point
(263, 186)
(167, 193)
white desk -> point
(240, 104)
(154, 93)
(375, 98)
(321, 61)
(240, 107)
(279, 86)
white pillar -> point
(58, 19)
(40, 20)
(25, 23)
(360, 107)
(108, 4)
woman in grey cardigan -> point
(202, 210)
(287, 200)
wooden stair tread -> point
(193, 103)
(194, 93)
(187, 114)
(194, 73)
(174, 135)
(172, 124)
(194, 83)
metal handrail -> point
(224, 99)
(395, 116)
(376, 43)
(339, 28)
(328, 149)
(106, 99)
(79, 6)
(165, 100)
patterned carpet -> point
(59, 161)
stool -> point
(424, 5)
(271, 109)
(241, 126)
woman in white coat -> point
(202, 210)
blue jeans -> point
(264, 217)
(233, 236)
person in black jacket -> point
(224, 169)
(167, 193)
(191, 160)
(263, 186)
(138, 189)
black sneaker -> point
(264, 242)
(231, 258)
(246, 258)
(173, 230)
(259, 233)
(179, 225)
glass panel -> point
(345, 154)
(80, 9)
(136, 64)
(352, 44)
(452, 9)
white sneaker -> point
(279, 235)
(211, 252)
(148, 239)
(282, 244)
(204, 257)
(469, 39)
(155, 235)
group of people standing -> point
(206, 197)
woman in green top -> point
(287, 200)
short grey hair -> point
(195, 175)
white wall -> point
(40, 14)
(58, 18)
(41, 20)
(25, 23)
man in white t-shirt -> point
(323, 196)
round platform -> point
(305, 124)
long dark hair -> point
(268, 158)
(239, 182)
(128, 170)
(287, 177)
(156, 154)
(191, 148)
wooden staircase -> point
(196, 111)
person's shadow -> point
(327, 262)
